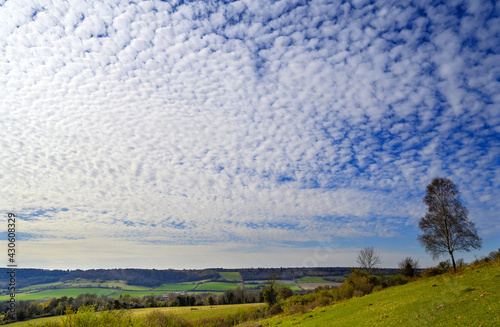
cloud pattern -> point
(247, 122)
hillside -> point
(469, 298)
(155, 277)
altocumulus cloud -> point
(243, 124)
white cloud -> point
(306, 120)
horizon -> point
(249, 133)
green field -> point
(80, 283)
(309, 279)
(69, 292)
(469, 298)
(217, 286)
(138, 294)
(176, 287)
(231, 276)
(189, 313)
(293, 287)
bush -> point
(275, 309)
(434, 271)
(398, 280)
(444, 265)
(408, 267)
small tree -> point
(408, 267)
(368, 259)
(446, 227)
(271, 290)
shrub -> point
(397, 280)
(434, 271)
(408, 267)
(444, 265)
(275, 309)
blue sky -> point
(243, 134)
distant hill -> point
(157, 277)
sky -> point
(203, 134)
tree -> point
(271, 290)
(368, 259)
(408, 267)
(446, 227)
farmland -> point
(217, 286)
(230, 276)
(191, 314)
(60, 292)
(226, 280)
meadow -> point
(189, 314)
(231, 276)
(470, 297)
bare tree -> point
(446, 227)
(368, 259)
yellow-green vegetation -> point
(222, 315)
(470, 297)
(217, 286)
(231, 276)
(309, 279)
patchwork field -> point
(116, 288)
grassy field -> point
(190, 313)
(231, 276)
(139, 294)
(294, 287)
(217, 286)
(69, 292)
(176, 287)
(469, 298)
(309, 279)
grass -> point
(231, 276)
(137, 293)
(176, 287)
(80, 282)
(468, 298)
(310, 279)
(293, 287)
(199, 312)
(190, 313)
(69, 292)
(217, 286)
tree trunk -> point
(453, 261)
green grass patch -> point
(176, 287)
(42, 286)
(199, 312)
(57, 293)
(468, 298)
(231, 276)
(217, 286)
(293, 287)
(138, 294)
(80, 283)
(311, 279)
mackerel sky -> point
(179, 134)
